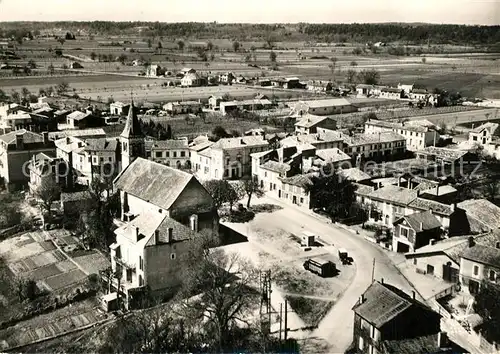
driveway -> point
(337, 326)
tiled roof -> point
(443, 153)
(426, 204)
(362, 189)
(483, 254)
(201, 146)
(75, 196)
(231, 143)
(78, 132)
(77, 115)
(171, 144)
(298, 180)
(153, 182)
(482, 210)
(332, 155)
(103, 144)
(440, 190)
(423, 344)
(354, 174)
(375, 138)
(391, 89)
(327, 103)
(276, 166)
(263, 102)
(394, 194)
(28, 137)
(402, 126)
(310, 120)
(422, 221)
(491, 127)
(382, 303)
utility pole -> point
(373, 270)
(281, 319)
(286, 320)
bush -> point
(241, 216)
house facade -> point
(183, 107)
(44, 168)
(163, 212)
(228, 158)
(479, 263)
(17, 148)
(191, 80)
(308, 124)
(417, 137)
(324, 107)
(173, 152)
(119, 108)
(414, 231)
(483, 134)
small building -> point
(392, 93)
(75, 203)
(183, 107)
(324, 107)
(414, 231)
(191, 80)
(119, 108)
(79, 120)
(78, 133)
(75, 65)
(294, 190)
(214, 102)
(246, 105)
(154, 70)
(186, 71)
(479, 263)
(46, 167)
(227, 78)
(385, 315)
(445, 156)
(309, 123)
(319, 86)
(483, 134)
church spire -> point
(132, 126)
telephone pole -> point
(286, 320)
(373, 270)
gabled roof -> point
(275, 166)
(427, 204)
(132, 126)
(171, 144)
(354, 174)
(332, 155)
(422, 344)
(491, 127)
(298, 180)
(231, 143)
(310, 120)
(394, 194)
(28, 137)
(443, 153)
(483, 211)
(201, 146)
(153, 182)
(375, 138)
(440, 190)
(77, 115)
(102, 144)
(483, 254)
(422, 221)
(382, 303)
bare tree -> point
(47, 193)
(227, 298)
(332, 65)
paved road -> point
(337, 326)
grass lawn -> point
(299, 281)
(311, 311)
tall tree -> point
(369, 77)
(273, 56)
(250, 187)
(487, 306)
(332, 192)
(169, 134)
(47, 193)
(180, 45)
(236, 46)
(332, 65)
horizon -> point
(459, 12)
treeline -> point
(365, 32)
(416, 33)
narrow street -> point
(337, 326)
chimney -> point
(382, 280)
(442, 340)
(421, 226)
(454, 206)
(362, 299)
(45, 136)
(169, 235)
(19, 141)
(68, 140)
(418, 193)
(437, 190)
(413, 294)
(471, 241)
(432, 241)
(431, 211)
(497, 245)
(157, 237)
(137, 233)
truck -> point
(321, 267)
(344, 256)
